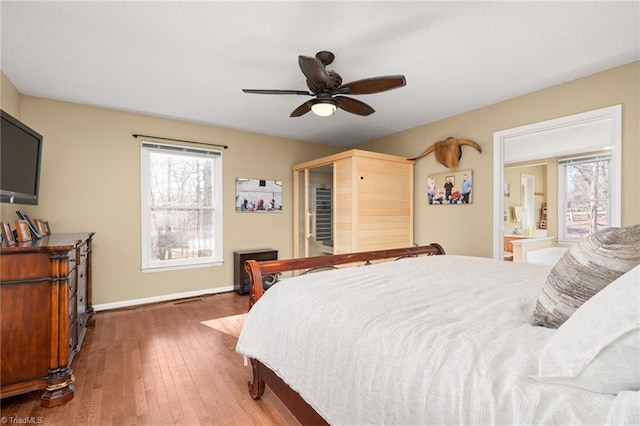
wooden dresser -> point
(45, 295)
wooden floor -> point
(159, 365)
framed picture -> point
(47, 230)
(32, 227)
(258, 195)
(450, 188)
(23, 231)
(39, 223)
(7, 234)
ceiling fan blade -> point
(277, 92)
(372, 85)
(353, 106)
(315, 72)
(301, 110)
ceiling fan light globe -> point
(323, 109)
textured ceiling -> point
(191, 60)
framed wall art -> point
(450, 188)
(258, 195)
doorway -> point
(585, 132)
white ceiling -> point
(191, 60)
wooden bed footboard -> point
(257, 270)
(291, 399)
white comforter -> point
(427, 340)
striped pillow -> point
(585, 269)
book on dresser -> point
(45, 294)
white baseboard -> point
(163, 298)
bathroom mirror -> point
(527, 200)
(526, 197)
(453, 188)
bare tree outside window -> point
(587, 197)
(180, 202)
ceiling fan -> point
(328, 91)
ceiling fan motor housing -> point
(334, 80)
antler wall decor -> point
(449, 151)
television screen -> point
(20, 152)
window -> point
(584, 195)
(181, 207)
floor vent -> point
(195, 299)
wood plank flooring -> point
(158, 365)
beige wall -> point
(10, 97)
(469, 229)
(91, 182)
(90, 176)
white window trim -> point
(178, 264)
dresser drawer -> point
(82, 274)
(83, 253)
(73, 259)
(73, 283)
(73, 308)
(82, 304)
(73, 337)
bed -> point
(425, 339)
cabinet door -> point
(384, 214)
(345, 228)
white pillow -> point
(598, 347)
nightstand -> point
(240, 276)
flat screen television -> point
(20, 154)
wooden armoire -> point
(353, 201)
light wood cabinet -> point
(508, 247)
(371, 203)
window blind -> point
(585, 159)
(184, 149)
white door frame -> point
(612, 116)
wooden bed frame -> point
(305, 414)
